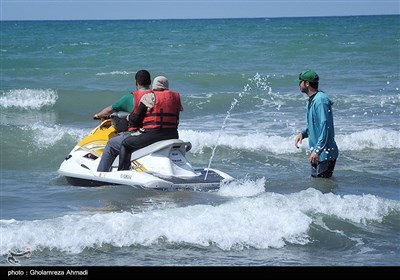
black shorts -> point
(324, 169)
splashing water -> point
(260, 83)
(235, 101)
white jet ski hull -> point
(162, 165)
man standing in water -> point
(320, 129)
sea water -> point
(242, 109)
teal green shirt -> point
(320, 130)
(125, 103)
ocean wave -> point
(28, 98)
(268, 220)
(202, 141)
(115, 73)
(367, 139)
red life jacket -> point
(165, 113)
(137, 95)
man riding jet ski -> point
(161, 165)
(139, 158)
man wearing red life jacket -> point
(111, 151)
(156, 116)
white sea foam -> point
(268, 220)
(124, 73)
(366, 139)
(47, 136)
(28, 98)
(243, 188)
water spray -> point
(228, 113)
(260, 83)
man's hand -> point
(314, 158)
(298, 140)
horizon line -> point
(215, 18)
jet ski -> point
(162, 165)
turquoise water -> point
(236, 78)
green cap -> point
(309, 76)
